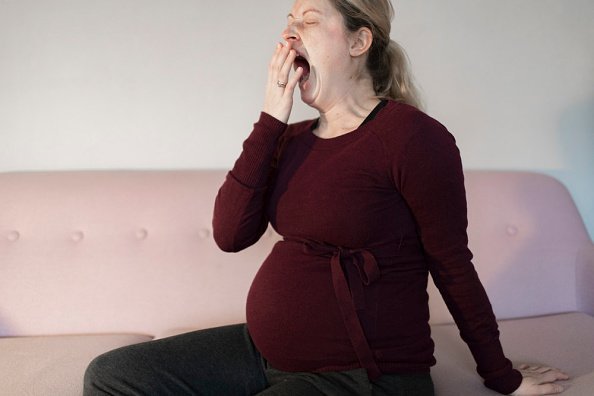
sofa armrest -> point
(585, 279)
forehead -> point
(303, 7)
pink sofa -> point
(90, 261)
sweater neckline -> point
(318, 143)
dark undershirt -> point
(369, 117)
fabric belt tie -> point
(360, 270)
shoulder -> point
(410, 137)
(400, 123)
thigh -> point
(220, 361)
(343, 383)
(292, 387)
(403, 385)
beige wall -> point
(178, 83)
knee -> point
(100, 375)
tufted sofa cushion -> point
(104, 252)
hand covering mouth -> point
(300, 61)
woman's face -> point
(317, 32)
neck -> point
(346, 113)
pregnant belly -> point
(292, 312)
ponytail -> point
(387, 61)
(393, 80)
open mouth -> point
(300, 61)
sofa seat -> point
(566, 339)
(57, 363)
(53, 365)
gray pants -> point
(224, 361)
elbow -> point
(230, 240)
(232, 237)
(223, 233)
(225, 241)
(232, 243)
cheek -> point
(328, 48)
(332, 57)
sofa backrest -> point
(132, 251)
(116, 251)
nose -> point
(290, 33)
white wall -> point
(88, 84)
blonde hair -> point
(387, 61)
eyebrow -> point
(289, 15)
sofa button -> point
(77, 236)
(204, 233)
(141, 234)
(512, 230)
(13, 236)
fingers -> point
(543, 371)
(532, 368)
(294, 80)
(285, 69)
(529, 387)
(552, 375)
(535, 369)
(277, 60)
(281, 63)
(280, 54)
(278, 100)
(549, 389)
(540, 380)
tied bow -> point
(352, 270)
(358, 265)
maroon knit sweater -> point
(365, 217)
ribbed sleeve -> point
(252, 168)
(431, 181)
(239, 218)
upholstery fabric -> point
(52, 365)
(117, 252)
(563, 340)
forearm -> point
(240, 206)
(467, 300)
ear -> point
(361, 41)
